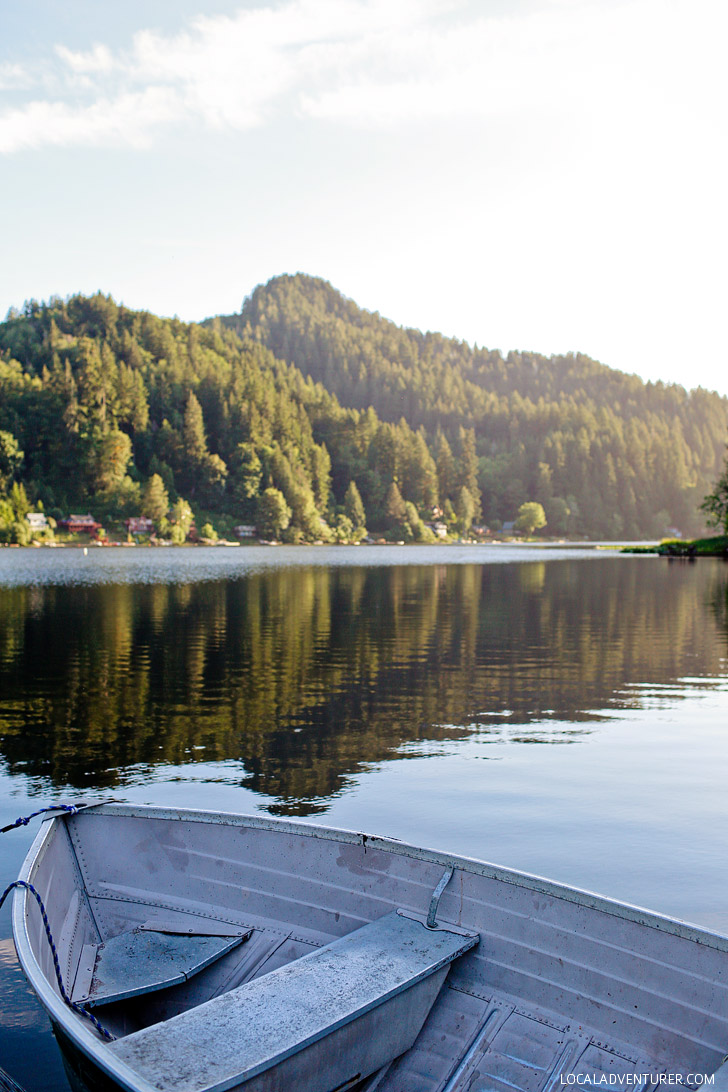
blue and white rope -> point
(25, 819)
(71, 1004)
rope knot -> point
(69, 809)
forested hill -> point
(625, 457)
(313, 419)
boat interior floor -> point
(469, 1043)
(496, 1043)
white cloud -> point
(126, 119)
(97, 60)
(14, 77)
(613, 65)
(221, 71)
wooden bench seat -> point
(318, 1023)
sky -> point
(543, 175)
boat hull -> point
(563, 984)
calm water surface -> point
(564, 712)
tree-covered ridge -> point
(313, 419)
(603, 452)
(125, 412)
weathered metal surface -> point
(370, 843)
(338, 1061)
(629, 988)
(437, 895)
(235, 1037)
(142, 961)
(515, 1052)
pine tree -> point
(273, 515)
(193, 432)
(155, 500)
(715, 504)
(321, 476)
(11, 458)
(464, 510)
(395, 511)
(109, 455)
(354, 509)
(468, 467)
(446, 472)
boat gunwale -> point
(531, 881)
(87, 1040)
(73, 1025)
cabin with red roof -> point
(76, 524)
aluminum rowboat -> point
(232, 952)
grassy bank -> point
(716, 546)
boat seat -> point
(148, 958)
(322, 1022)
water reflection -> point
(307, 675)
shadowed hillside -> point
(604, 453)
(312, 419)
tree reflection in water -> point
(307, 675)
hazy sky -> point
(528, 174)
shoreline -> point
(687, 549)
(551, 544)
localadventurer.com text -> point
(692, 1080)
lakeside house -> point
(139, 525)
(76, 524)
(37, 521)
(438, 528)
(245, 530)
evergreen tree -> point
(414, 527)
(155, 500)
(395, 512)
(343, 529)
(19, 501)
(109, 455)
(446, 471)
(715, 505)
(354, 509)
(321, 476)
(193, 432)
(273, 515)
(247, 474)
(464, 510)
(467, 468)
(11, 458)
(211, 476)
(557, 515)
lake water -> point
(559, 711)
